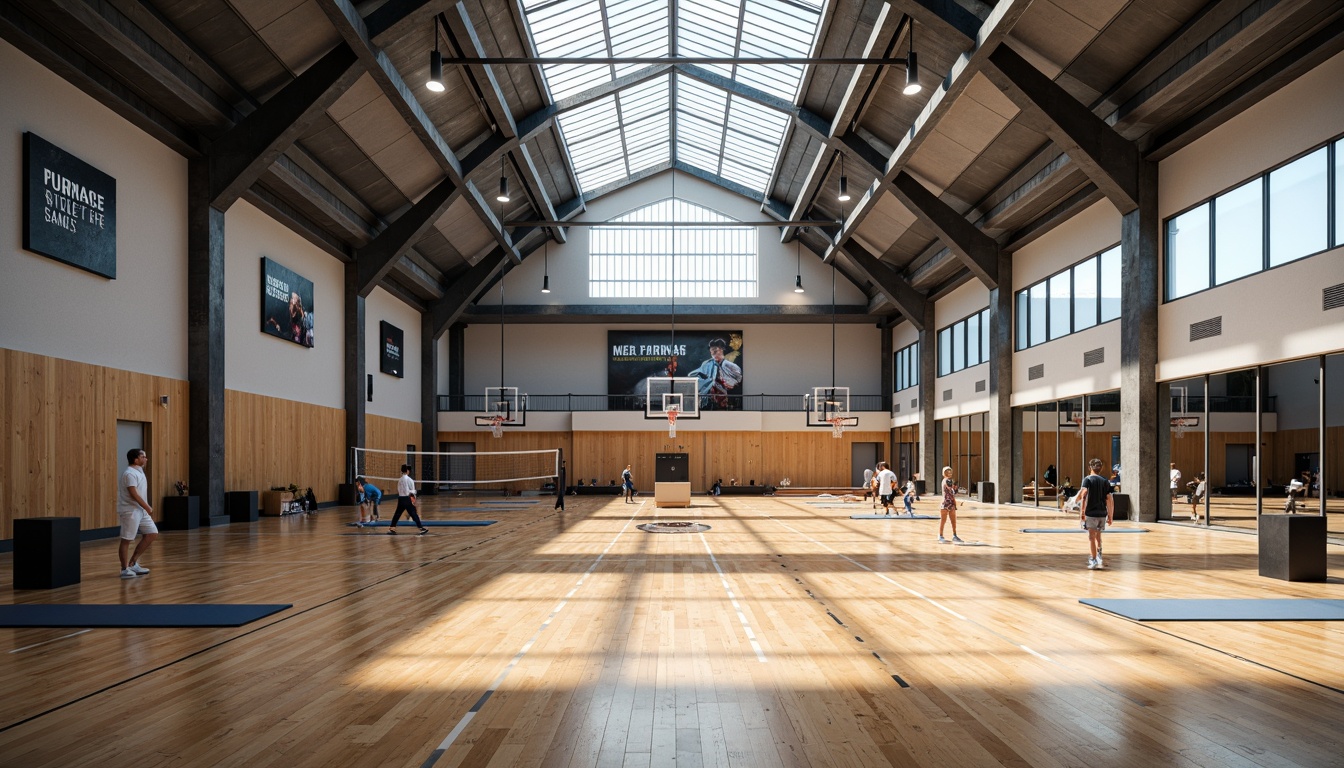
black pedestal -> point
(46, 552)
(921, 488)
(180, 513)
(1121, 506)
(346, 493)
(1292, 547)
(241, 506)
(985, 492)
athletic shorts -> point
(1094, 523)
(135, 522)
(886, 499)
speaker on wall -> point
(370, 380)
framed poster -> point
(286, 303)
(713, 357)
(392, 339)
(69, 208)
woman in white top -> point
(406, 502)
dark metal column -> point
(1002, 456)
(457, 367)
(356, 368)
(205, 342)
(429, 397)
(888, 381)
(1141, 441)
(928, 383)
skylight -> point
(716, 131)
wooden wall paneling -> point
(387, 434)
(273, 442)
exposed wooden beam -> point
(460, 294)
(977, 251)
(242, 154)
(394, 18)
(947, 15)
(905, 298)
(1110, 160)
(375, 259)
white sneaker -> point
(1100, 564)
(127, 573)
(956, 539)
(941, 540)
(1091, 564)
(139, 569)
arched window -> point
(633, 257)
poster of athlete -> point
(713, 357)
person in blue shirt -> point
(369, 496)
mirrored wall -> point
(1059, 438)
(964, 444)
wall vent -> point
(1036, 372)
(898, 408)
(980, 386)
(1094, 357)
(914, 402)
(1333, 297)
(947, 395)
(1206, 329)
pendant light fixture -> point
(503, 195)
(435, 82)
(546, 261)
(844, 182)
(911, 66)
(798, 283)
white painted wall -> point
(263, 364)
(136, 322)
(1275, 315)
(568, 263)
(398, 398)
(572, 359)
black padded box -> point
(1292, 547)
(241, 506)
(46, 552)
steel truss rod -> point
(647, 60)
(762, 223)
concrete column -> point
(356, 367)
(1002, 457)
(205, 344)
(928, 396)
(1141, 441)
(429, 394)
(457, 366)
(888, 379)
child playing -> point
(369, 496)
(909, 497)
(949, 508)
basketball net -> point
(837, 426)
(1178, 427)
(1078, 424)
(672, 421)
(497, 426)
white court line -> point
(742, 617)
(471, 713)
(54, 639)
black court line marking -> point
(287, 617)
(494, 686)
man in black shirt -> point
(1097, 510)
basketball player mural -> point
(718, 377)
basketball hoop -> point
(837, 426)
(672, 420)
(497, 426)
(1178, 428)
(1078, 424)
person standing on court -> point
(135, 514)
(369, 497)
(949, 508)
(867, 482)
(886, 485)
(406, 502)
(1098, 511)
(628, 483)
(909, 497)
(1175, 480)
(560, 488)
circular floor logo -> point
(674, 527)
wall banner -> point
(69, 208)
(714, 357)
(286, 303)
(391, 341)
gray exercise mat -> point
(1288, 609)
(892, 517)
(1079, 529)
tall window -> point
(627, 259)
(907, 367)
(1071, 300)
(964, 343)
(1277, 217)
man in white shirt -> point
(134, 513)
(1175, 480)
(406, 502)
(886, 485)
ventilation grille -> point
(898, 408)
(914, 402)
(1333, 297)
(947, 395)
(1206, 329)
(1094, 357)
(1036, 372)
(980, 386)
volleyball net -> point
(464, 468)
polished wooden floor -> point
(787, 634)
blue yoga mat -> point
(410, 524)
(892, 517)
(1079, 529)
(180, 615)
(1223, 610)
(513, 503)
